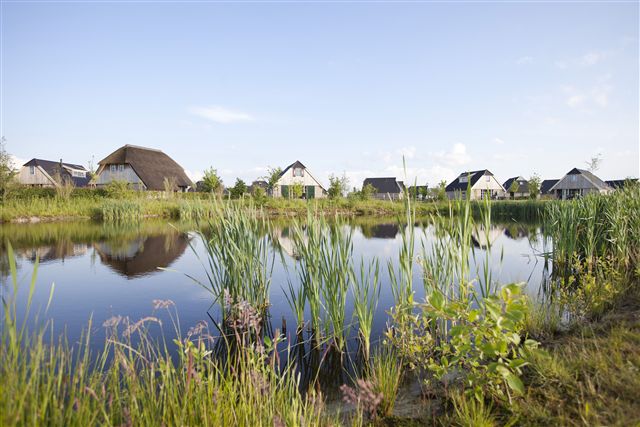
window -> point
(78, 174)
(32, 170)
(298, 172)
(120, 168)
(574, 178)
(464, 178)
(112, 168)
(488, 178)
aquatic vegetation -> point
(386, 374)
(239, 258)
(366, 293)
(121, 211)
(134, 380)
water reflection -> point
(143, 255)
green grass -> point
(44, 204)
(133, 380)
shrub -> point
(118, 190)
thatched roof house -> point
(143, 168)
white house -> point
(296, 174)
(480, 183)
(47, 173)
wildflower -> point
(162, 303)
(134, 327)
(112, 322)
(363, 396)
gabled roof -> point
(597, 182)
(53, 168)
(619, 183)
(474, 176)
(385, 185)
(151, 165)
(523, 184)
(545, 186)
(298, 164)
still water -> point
(102, 270)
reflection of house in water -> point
(143, 255)
(57, 251)
(380, 231)
(286, 242)
(516, 232)
(482, 239)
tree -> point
(440, 192)
(7, 172)
(239, 189)
(513, 188)
(296, 190)
(272, 177)
(338, 186)
(211, 182)
(259, 196)
(367, 192)
(424, 191)
(594, 163)
(534, 186)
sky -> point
(345, 87)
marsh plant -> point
(239, 258)
(136, 380)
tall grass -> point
(121, 211)
(239, 259)
(134, 380)
(366, 293)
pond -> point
(103, 270)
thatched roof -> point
(152, 166)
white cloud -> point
(407, 152)
(524, 60)
(219, 114)
(194, 176)
(457, 156)
(498, 141)
(16, 162)
(597, 95)
(592, 58)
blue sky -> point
(516, 88)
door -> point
(311, 191)
(284, 191)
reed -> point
(366, 293)
(196, 210)
(386, 374)
(134, 380)
(121, 211)
(239, 259)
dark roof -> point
(523, 184)
(619, 183)
(53, 168)
(456, 185)
(296, 164)
(152, 166)
(546, 185)
(384, 185)
(590, 176)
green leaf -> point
(514, 383)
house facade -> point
(294, 176)
(521, 187)
(47, 173)
(546, 186)
(142, 168)
(479, 183)
(387, 188)
(579, 183)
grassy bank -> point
(483, 353)
(33, 206)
